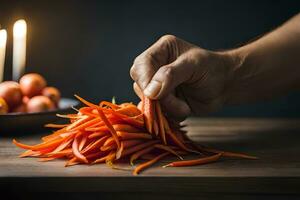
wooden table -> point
(277, 172)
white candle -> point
(19, 49)
(3, 38)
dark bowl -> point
(29, 123)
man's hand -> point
(185, 78)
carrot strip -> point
(230, 154)
(86, 102)
(56, 125)
(61, 153)
(29, 153)
(127, 136)
(78, 122)
(126, 127)
(120, 151)
(103, 159)
(63, 145)
(68, 116)
(168, 149)
(82, 143)
(138, 147)
(199, 161)
(160, 122)
(97, 134)
(144, 165)
(110, 127)
(109, 104)
(127, 144)
(72, 161)
(87, 124)
(94, 145)
(129, 110)
(138, 154)
(51, 144)
(76, 151)
(148, 114)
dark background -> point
(87, 47)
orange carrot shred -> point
(110, 133)
(110, 127)
(143, 166)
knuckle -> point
(168, 38)
(137, 60)
(133, 72)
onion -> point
(53, 94)
(10, 91)
(40, 104)
(32, 84)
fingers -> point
(168, 77)
(146, 64)
(175, 107)
(137, 90)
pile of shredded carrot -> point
(110, 133)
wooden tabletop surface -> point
(275, 141)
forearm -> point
(267, 67)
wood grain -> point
(275, 141)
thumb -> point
(168, 77)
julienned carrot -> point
(199, 161)
(230, 154)
(78, 122)
(110, 127)
(127, 144)
(82, 142)
(76, 151)
(56, 125)
(109, 104)
(126, 127)
(148, 113)
(127, 136)
(144, 165)
(168, 149)
(160, 122)
(139, 147)
(97, 134)
(94, 145)
(108, 132)
(51, 144)
(138, 154)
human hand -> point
(185, 78)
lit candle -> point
(3, 38)
(19, 49)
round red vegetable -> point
(3, 106)
(32, 84)
(40, 104)
(10, 91)
(53, 94)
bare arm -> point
(187, 78)
(269, 66)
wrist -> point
(239, 74)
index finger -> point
(147, 63)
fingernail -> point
(152, 89)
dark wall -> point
(87, 47)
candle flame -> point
(3, 37)
(20, 28)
